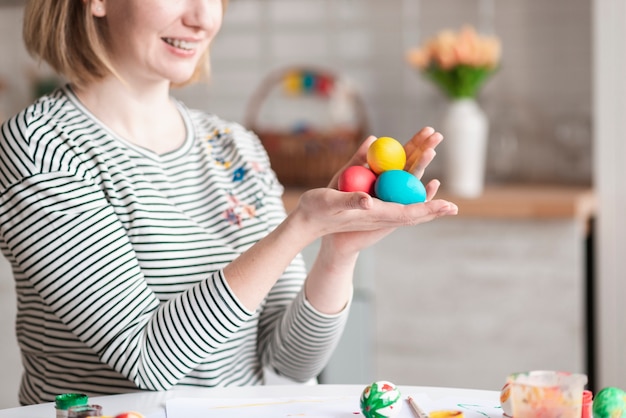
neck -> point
(143, 115)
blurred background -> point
(461, 302)
(539, 102)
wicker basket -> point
(307, 155)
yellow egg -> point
(386, 154)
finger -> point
(440, 207)
(448, 208)
(431, 189)
(419, 166)
(425, 212)
(417, 147)
(360, 200)
(422, 135)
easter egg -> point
(399, 186)
(380, 400)
(610, 402)
(357, 178)
(386, 154)
(505, 400)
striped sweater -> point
(118, 255)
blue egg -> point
(399, 186)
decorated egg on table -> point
(386, 153)
(357, 178)
(380, 400)
(505, 400)
(399, 186)
(610, 402)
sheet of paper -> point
(157, 415)
(316, 407)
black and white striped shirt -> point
(117, 255)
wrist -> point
(329, 284)
(301, 227)
(336, 256)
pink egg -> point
(357, 178)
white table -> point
(152, 404)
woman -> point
(148, 241)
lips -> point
(181, 44)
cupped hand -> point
(374, 218)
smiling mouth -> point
(180, 44)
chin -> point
(183, 77)
(181, 80)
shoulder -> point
(51, 112)
(42, 131)
(54, 107)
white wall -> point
(609, 174)
(539, 102)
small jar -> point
(84, 411)
(66, 401)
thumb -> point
(359, 200)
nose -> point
(204, 14)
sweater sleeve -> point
(300, 339)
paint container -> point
(65, 401)
(547, 394)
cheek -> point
(214, 21)
(122, 25)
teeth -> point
(177, 43)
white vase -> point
(465, 129)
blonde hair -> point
(66, 35)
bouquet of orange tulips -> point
(458, 62)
